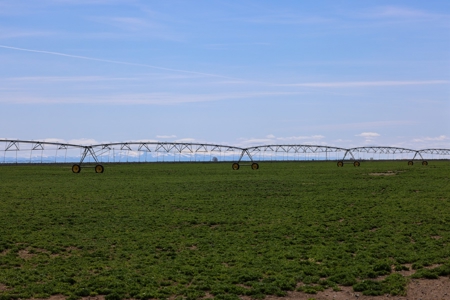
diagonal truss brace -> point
(350, 153)
(88, 150)
(418, 153)
(245, 151)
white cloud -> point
(11, 139)
(301, 138)
(54, 140)
(425, 142)
(187, 140)
(80, 141)
(368, 134)
(132, 153)
(429, 139)
(368, 137)
(343, 143)
(273, 140)
(338, 127)
(439, 138)
(84, 142)
(166, 136)
(254, 142)
(143, 141)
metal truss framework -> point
(21, 151)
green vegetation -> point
(194, 230)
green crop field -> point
(198, 230)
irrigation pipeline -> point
(25, 151)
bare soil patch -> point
(62, 297)
(407, 272)
(388, 173)
(30, 253)
(418, 289)
(25, 254)
(5, 252)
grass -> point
(197, 230)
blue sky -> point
(338, 73)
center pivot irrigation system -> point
(94, 156)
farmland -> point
(194, 230)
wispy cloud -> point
(14, 8)
(274, 140)
(126, 27)
(53, 79)
(86, 2)
(111, 61)
(357, 84)
(28, 81)
(346, 84)
(224, 46)
(427, 142)
(142, 99)
(369, 125)
(9, 33)
(128, 23)
(428, 139)
(80, 141)
(390, 15)
(285, 18)
(401, 12)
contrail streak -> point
(131, 64)
(113, 61)
(316, 86)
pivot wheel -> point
(356, 164)
(76, 168)
(255, 166)
(410, 163)
(235, 166)
(99, 169)
(340, 163)
(424, 163)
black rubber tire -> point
(410, 163)
(424, 163)
(340, 163)
(255, 166)
(99, 169)
(76, 168)
(356, 164)
(235, 166)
